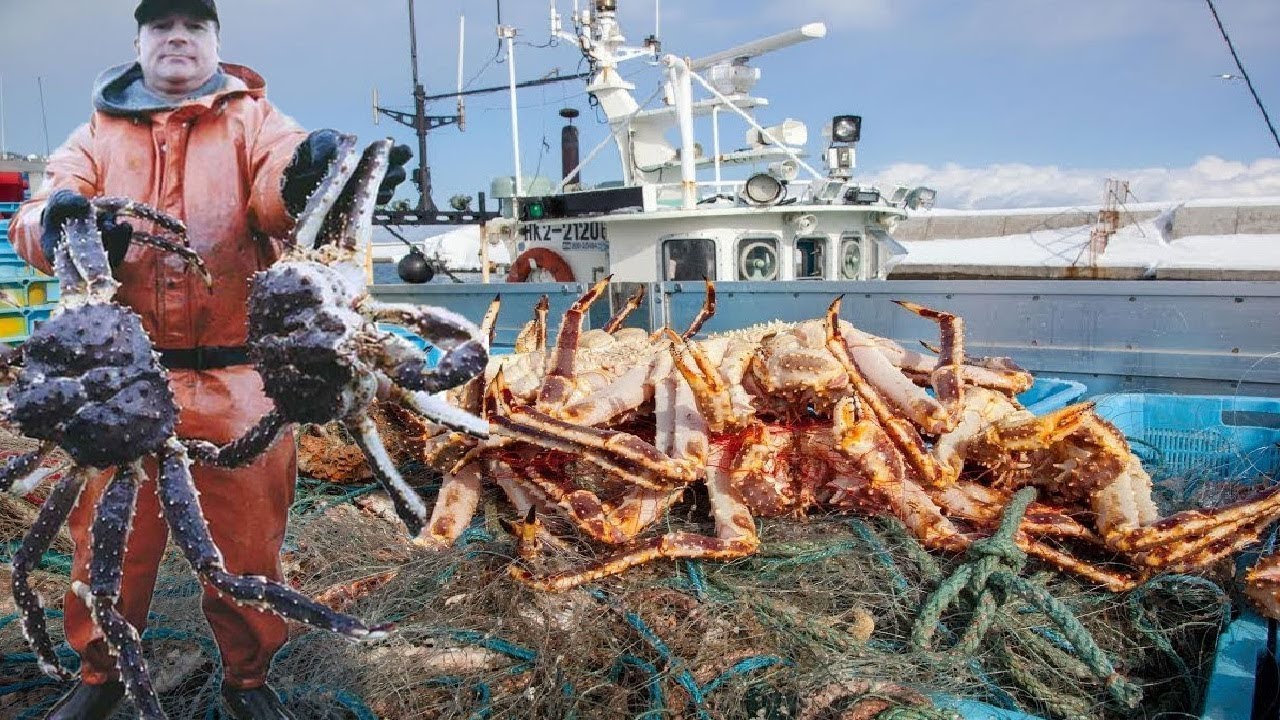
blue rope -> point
(880, 554)
(697, 581)
(657, 702)
(496, 644)
(742, 667)
(481, 689)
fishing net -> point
(836, 617)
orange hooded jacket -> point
(217, 162)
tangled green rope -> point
(992, 575)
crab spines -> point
(558, 384)
(181, 505)
(306, 232)
(947, 377)
(360, 196)
(82, 264)
(533, 335)
(704, 313)
(53, 514)
(632, 304)
(19, 468)
(1041, 431)
(126, 644)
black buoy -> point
(414, 267)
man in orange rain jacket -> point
(197, 139)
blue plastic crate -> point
(1218, 436)
(433, 353)
(1048, 394)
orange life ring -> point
(546, 259)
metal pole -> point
(420, 120)
(4, 148)
(679, 75)
(510, 34)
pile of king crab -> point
(609, 428)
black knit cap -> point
(149, 10)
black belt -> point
(204, 358)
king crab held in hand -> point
(313, 337)
(90, 384)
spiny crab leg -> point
(53, 513)
(735, 537)
(532, 338)
(557, 386)
(175, 243)
(109, 535)
(408, 505)
(904, 435)
(360, 197)
(617, 452)
(997, 373)
(181, 504)
(242, 450)
(619, 317)
(22, 473)
(704, 313)
(894, 388)
(312, 218)
(945, 378)
(465, 351)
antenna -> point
(44, 117)
(462, 40)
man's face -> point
(178, 53)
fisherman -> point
(181, 131)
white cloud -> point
(1018, 185)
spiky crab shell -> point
(304, 335)
(91, 384)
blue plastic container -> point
(433, 353)
(1211, 437)
(1048, 394)
(1216, 436)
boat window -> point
(758, 258)
(851, 257)
(811, 257)
(689, 259)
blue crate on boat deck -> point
(1199, 436)
(433, 353)
(1208, 437)
(1049, 394)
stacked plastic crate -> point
(26, 295)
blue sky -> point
(996, 102)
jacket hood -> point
(119, 90)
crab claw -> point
(525, 532)
(1040, 432)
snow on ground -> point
(1143, 244)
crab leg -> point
(619, 317)
(109, 535)
(359, 197)
(242, 450)
(25, 468)
(456, 504)
(125, 206)
(617, 452)
(896, 389)
(904, 435)
(735, 537)
(306, 233)
(557, 386)
(946, 376)
(704, 314)
(53, 514)
(465, 354)
(409, 506)
(168, 245)
(1262, 585)
(533, 336)
(181, 504)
